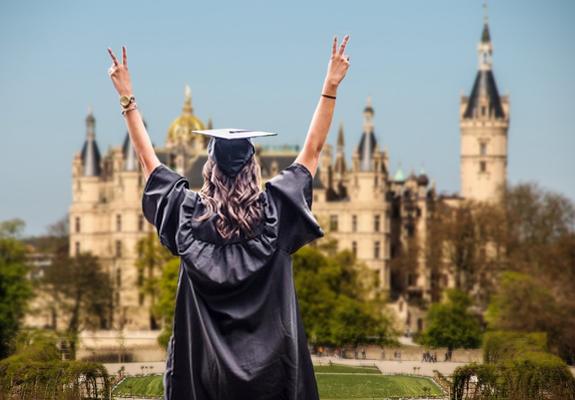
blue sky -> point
(261, 65)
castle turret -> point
(129, 153)
(484, 123)
(90, 153)
(340, 166)
(367, 142)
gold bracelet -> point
(133, 106)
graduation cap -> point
(231, 149)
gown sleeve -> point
(292, 191)
(163, 200)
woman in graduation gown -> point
(237, 328)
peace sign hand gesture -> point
(119, 73)
(338, 63)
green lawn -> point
(334, 382)
(336, 386)
(150, 385)
(346, 369)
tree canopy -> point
(450, 323)
(334, 298)
(15, 288)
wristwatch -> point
(125, 101)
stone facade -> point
(355, 205)
(367, 209)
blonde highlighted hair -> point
(236, 200)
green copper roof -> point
(399, 175)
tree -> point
(524, 304)
(336, 302)
(450, 324)
(165, 306)
(15, 288)
(536, 285)
(467, 242)
(56, 240)
(80, 288)
(152, 258)
(404, 267)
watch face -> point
(124, 101)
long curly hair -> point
(236, 200)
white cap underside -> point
(231, 133)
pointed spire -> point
(90, 124)
(187, 108)
(368, 116)
(129, 153)
(340, 142)
(367, 142)
(340, 165)
(484, 101)
(485, 48)
(90, 152)
(485, 36)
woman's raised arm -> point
(138, 135)
(319, 126)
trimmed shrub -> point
(516, 367)
(36, 372)
(505, 345)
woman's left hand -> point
(119, 73)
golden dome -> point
(180, 130)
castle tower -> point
(484, 123)
(87, 178)
(367, 207)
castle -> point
(366, 207)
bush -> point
(36, 372)
(505, 345)
(517, 367)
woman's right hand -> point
(119, 73)
(338, 63)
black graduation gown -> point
(237, 331)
